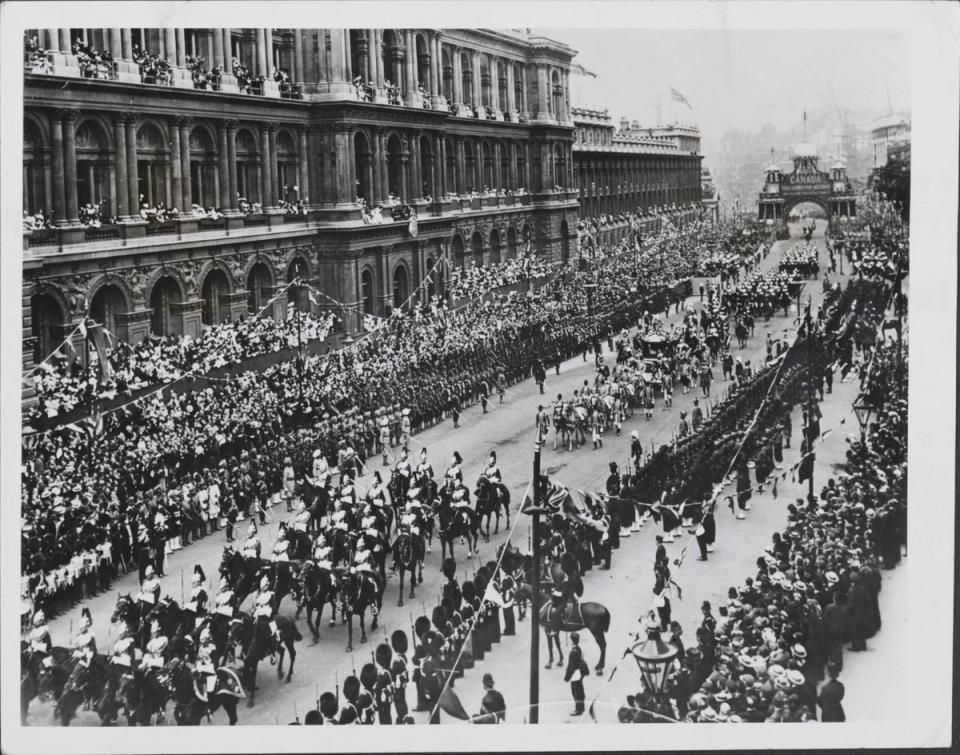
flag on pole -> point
(676, 95)
(450, 704)
(90, 426)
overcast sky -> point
(738, 79)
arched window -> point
(426, 167)
(152, 159)
(423, 63)
(394, 167)
(358, 54)
(259, 285)
(363, 159)
(34, 197)
(106, 304)
(203, 167)
(93, 167)
(518, 86)
(164, 297)
(447, 75)
(298, 268)
(521, 167)
(488, 179)
(392, 53)
(215, 286)
(470, 172)
(486, 96)
(476, 245)
(47, 319)
(494, 246)
(366, 288)
(501, 87)
(557, 91)
(466, 80)
(451, 167)
(248, 166)
(400, 286)
(559, 166)
(287, 167)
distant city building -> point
(633, 167)
(709, 198)
(889, 131)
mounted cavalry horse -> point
(491, 498)
(457, 520)
(571, 423)
(251, 640)
(40, 677)
(360, 590)
(591, 616)
(318, 587)
(192, 703)
(83, 686)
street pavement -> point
(508, 429)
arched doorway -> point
(215, 285)
(34, 197)
(46, 324)
(525, 237)
(366, 291)
(447, 75)
(400, 286)
(456, 251)
(394, 168)
(494, 246)
(288, 162)
(152, 160)
(803, 214)
(259, 283)
(298, 268)
(248, 166)
(163, 297)
(106, 305)
(93, 168)
(564, 241)
(476, 246)
(511, 243)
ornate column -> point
(133, 183)
(543, 93)
(344, 184)
(266, 184)
(477, 83)
(303, 173)
(127, 70)
(335, 82)
(62, 61)
(298, 77)
(439, 168)
(59, 172)
(379, 168)
(70, 166)
(511, 93)
(176, 166)
(274, 173)
(497, 177)
(314, 163)
(181, 49)
(260, 54)
(457, 77)
(230, 127)
(183, 124)
(224, 163)
(367, 57)
(412, 94)
(459, 165)
(121, 188)
(437, 99)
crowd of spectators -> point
(37, 221)
(154, 69)
(471, 282)
(202, 78)
(34, 56)
(93, 63)
(246, 81)
(63, 386)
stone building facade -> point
(621, 170)
(468, 131)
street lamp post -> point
(863, 408)
(535, 585)
(653, 657)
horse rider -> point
(321, 469)
(301, 522)
(84, 643)
(155, 655)
(348, 493)
(198, 593)
(263, 607)
(149, 588)
(377, 493)
(282, 546)
(404, 471)
(39, 637)
(453, 471)
(225, 597)
(571, 587)
(123, 654)
(362, 561)
(251, 546)
(424, 470)
(206, 666)
(412, 517)
(492, 472)
(323, 554)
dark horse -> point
(39, 680)
(458, 522)
(409, 551)
(592, 616)
(83, 686)
(491, 497)
(140, 693)
(242, 573)
(191, 703)
(359, 591)
(254, 640)
(318, 587)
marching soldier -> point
(348, 711)
(399, 669)
(405, 429)
(385, 439)
(328, 708)
(384, 686)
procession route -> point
(507, 427)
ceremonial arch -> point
(830, 190)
